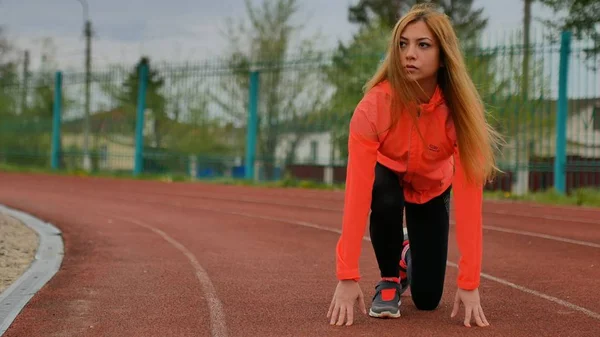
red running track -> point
(159, 259)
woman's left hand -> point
(470, 299)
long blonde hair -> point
(476, 139)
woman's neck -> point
(428, 87)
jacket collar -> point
(436, 99)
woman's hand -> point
(470, 299)
(347, 293)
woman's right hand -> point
(347, 293)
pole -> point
(87, 162)
(526, 50)
(560, 158)
(87, 31)
(25, 82)
(139, 126)
(56, 120)
(252, 128)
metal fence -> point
(263, 119)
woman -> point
(419, 131)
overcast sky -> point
(175, 30)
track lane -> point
(505, 255)
(286, 267)
(247, 233)
(116, 277)
(584, 227)
(505, 258)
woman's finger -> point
(350, 314)
(330, 308)
(483, 316)
(342, 316)
(468, 311)
(456, 306)
(477, 315)
(334, 315)
(361, 303)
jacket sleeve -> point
(363, 144)
(468, 199)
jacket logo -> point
(433, 148)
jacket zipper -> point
(410, 142)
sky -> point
(176, 30)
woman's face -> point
(419, 52)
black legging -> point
(427, 226)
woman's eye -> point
(424, 45)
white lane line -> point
(543, 236)
(494, 228)
(538, 235)
(537, 293)
(553, 299)
(545, 217)
(217, 315)
(253, 200)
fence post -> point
(56, 120)
(560, 157)
(252, 128)
(139, 126)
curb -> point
(46, 263)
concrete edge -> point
(45, 265)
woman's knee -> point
(427, 302)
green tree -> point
(290, 92)
(469, 22)
(9, 84)
(125, 93)
(39, 107)
(41, 104)
(198, 133)
(351, 67)
(26, 109)
(9, 90)
(385, 12)
(155, 99)
(582, 17)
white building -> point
(313, 148)
(582, 134)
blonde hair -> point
(476, 139)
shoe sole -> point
(384, 314)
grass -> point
(82, 173)
(286, 182)
(588, 197)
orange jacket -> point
(426, 171)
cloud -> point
(175, 30)
(123, 30)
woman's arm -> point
(468, 199)
(363, 144)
